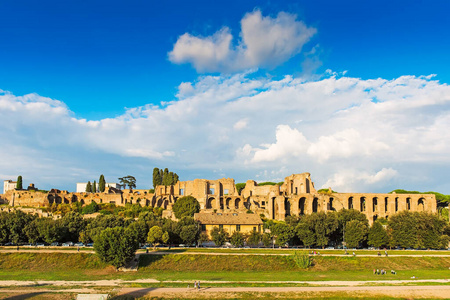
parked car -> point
(54, 244)
(67, 244)
(79, 244)
(90, 245)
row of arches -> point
(228, 203)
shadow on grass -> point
(24, 296)
(147, 259)
(133, 294)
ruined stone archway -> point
(210, 203)
(237, 203)
(421, 204)
(350, 203)
(315, 205)
(301, 206)
(362, 206)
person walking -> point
(198, 285)
(195, 284)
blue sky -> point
(152, 83)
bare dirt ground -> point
(435, 292)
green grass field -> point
(85, 266)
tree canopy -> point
(116, 246)
(186, 206)
(129, 181)
(19, 184)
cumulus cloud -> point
(263, 42)
(349, 133)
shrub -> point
(302, 260)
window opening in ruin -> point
(301, 206)
(408, 203)
(225, 191)
(287, 207)
(374, 204)
(235, 214)
(292, 187)
(211, 191)
(315, 205)
(420, 204)
(296, 190)
(330, 204)
(307, 186)
(363, 204)
(273, 208)
(182, 192)
(350, 203)
(396, 204)
(386, 204)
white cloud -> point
(374, 131)
(264, 42)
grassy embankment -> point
(84, 266)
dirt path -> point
(119, 282)
(436, 292)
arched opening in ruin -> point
(292, 187)
(375, 218)
(153, 202)
(315, 205)
(350, 203)
(307, 186)
(396, 204)
(408, 203)
(374, 204)
(301, 206)
(159, 203)
(248, 204)
(421, 204)
(210, 203)
(330, 204)
(287, 207)
(362, 206)
(273, 208)
(228, 203)
(386, 200)
(165, 203)
(237, 203)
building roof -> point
(227, 219)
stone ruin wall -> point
(296, 196)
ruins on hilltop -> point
(295, 196)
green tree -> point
(94, 187)
(267, 239)
(19, 183)
(157, 180)
(140, 229)
(155, 235)
(102, 184)
(90, 208)
(116, 246)
(219, 236)
(403, 229)
(165, 178)
(74, 223)
(189, 234)
(283, 233)
(237, 239)
(129, 181)
(51, 230)
(355, 233)
(254, 238)
(377, 235)
(305, 232)
(88, 187)
(170, 180)
(186, 206)
(202, 238)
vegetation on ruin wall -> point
(440, 198)
(83, 266)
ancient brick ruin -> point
(296, 196)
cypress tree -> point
(94, 187)
(102, 183)
(165, 177)
(175, 178)
(19, 183)
(88, 187)
(157, 180)
(170, 180)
